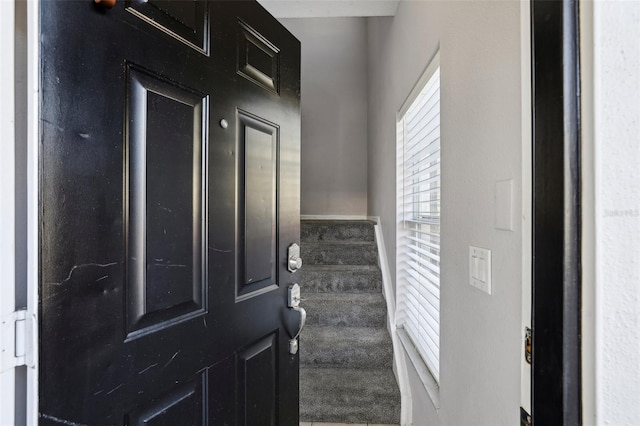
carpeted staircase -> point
(345, 350)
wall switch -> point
(480, 268)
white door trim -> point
(9, 117)
(527, 195)
(33, 191)
(7, 195)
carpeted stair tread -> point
(345, 309)
(340, 253)
(349, 396)
(341, 278)
(336, 230)
(346, 347)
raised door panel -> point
(258, 150)
(258, 383)
(258, 58)
(165, 196)
(185, 404)
(186, 21)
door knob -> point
(294, 262)
(294, 304)
(107, 4)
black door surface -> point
(170, 192)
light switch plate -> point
(480, 268)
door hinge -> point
(528, 344)
(525, 418)
(17, 340)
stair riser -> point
(333, 314)
(341, 281)
(312, 231)
(356, 356)
(339, 254)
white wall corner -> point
(399, 360)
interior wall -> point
(334, 115)
(616, 211)
(481, 140)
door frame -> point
(20, 270)
(556, 273)
(7, 193)
(526, 201)
(567, 40)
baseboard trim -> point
(333, 217)
(399, 360)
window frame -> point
(428, 373)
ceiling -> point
(330, 8)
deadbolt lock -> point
(294, 262)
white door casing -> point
(7, 195)
(15, 24)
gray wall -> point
(481, 143)
(334, 115)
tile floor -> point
(342, 424)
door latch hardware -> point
(294, 304)
(294, 296)
(17, 335)
(294, 262)
(528, 344)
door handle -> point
(293, 343)
(294, 304)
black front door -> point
(170, 193)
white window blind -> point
(418, 236)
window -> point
(418, 232)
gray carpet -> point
(345, 350)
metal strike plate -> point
(528, 344)
(294, 262)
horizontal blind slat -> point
(423, 241)
(431, 272)
(432, 256)
(421, 318)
